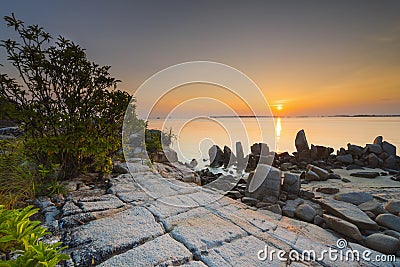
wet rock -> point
(291, 183)
(343, 227)
(383, 243)
(370, 175)
(301, 141)
(348, 212)
(216, 156)
(348, 158)
(228, 157)
(355, 198)
(393, 206)
(372, 206)
(305, 212)
(389, 221)
(389, 148)
(265, 183)
(328, 190)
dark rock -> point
(383, 243)
(392, 233)
(322, 174)
(389, 221)
(306, 194)
(365, 174)
(250, 201)
(354, 150)
(343, 227)
(285, 166)
(318, 220)
(320, 152)
(389, 148)
(393, 206)
(348, 212)
(291, 183)
(370, 214)
(348, 158)
(241, 161)
(290, 207)
(234, 194)
(378, 140)
(328, 190)
(373, 148)
(228, 157)
(265, 182)
(167, 155)
(355, 198)
(359, 163)
(259, 149)
(311, 176)
(345, 180)
(216, 156)
(275, 208)
(373, 161)
(305, 212)
(121, 168)
(301, 141)
(354, 167)
(334, 176)
(372, 206)
(391, 163)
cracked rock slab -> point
(162, 250)
(100, 239)
(105, 202)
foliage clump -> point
(68, 106)
(20, 243)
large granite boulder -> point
(322, 174)
(355, 150)
(320, 152)
(301, 141)
(372, 206)
(264, 184)
(348, 212)
(305, 212)
(373, 148)
(378, 140)
(347, 158)
(343, 227)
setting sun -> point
(279, 107)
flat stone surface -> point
(102, 238)
(163, 250)
(348, 212)
(240, 252)
(104, 202)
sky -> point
(307, 57)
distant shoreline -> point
(313, 116)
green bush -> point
(19, 240)
(68, 106)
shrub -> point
(19, 239)
(68, 106)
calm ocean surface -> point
(194, 137)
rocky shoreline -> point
(308, 200)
